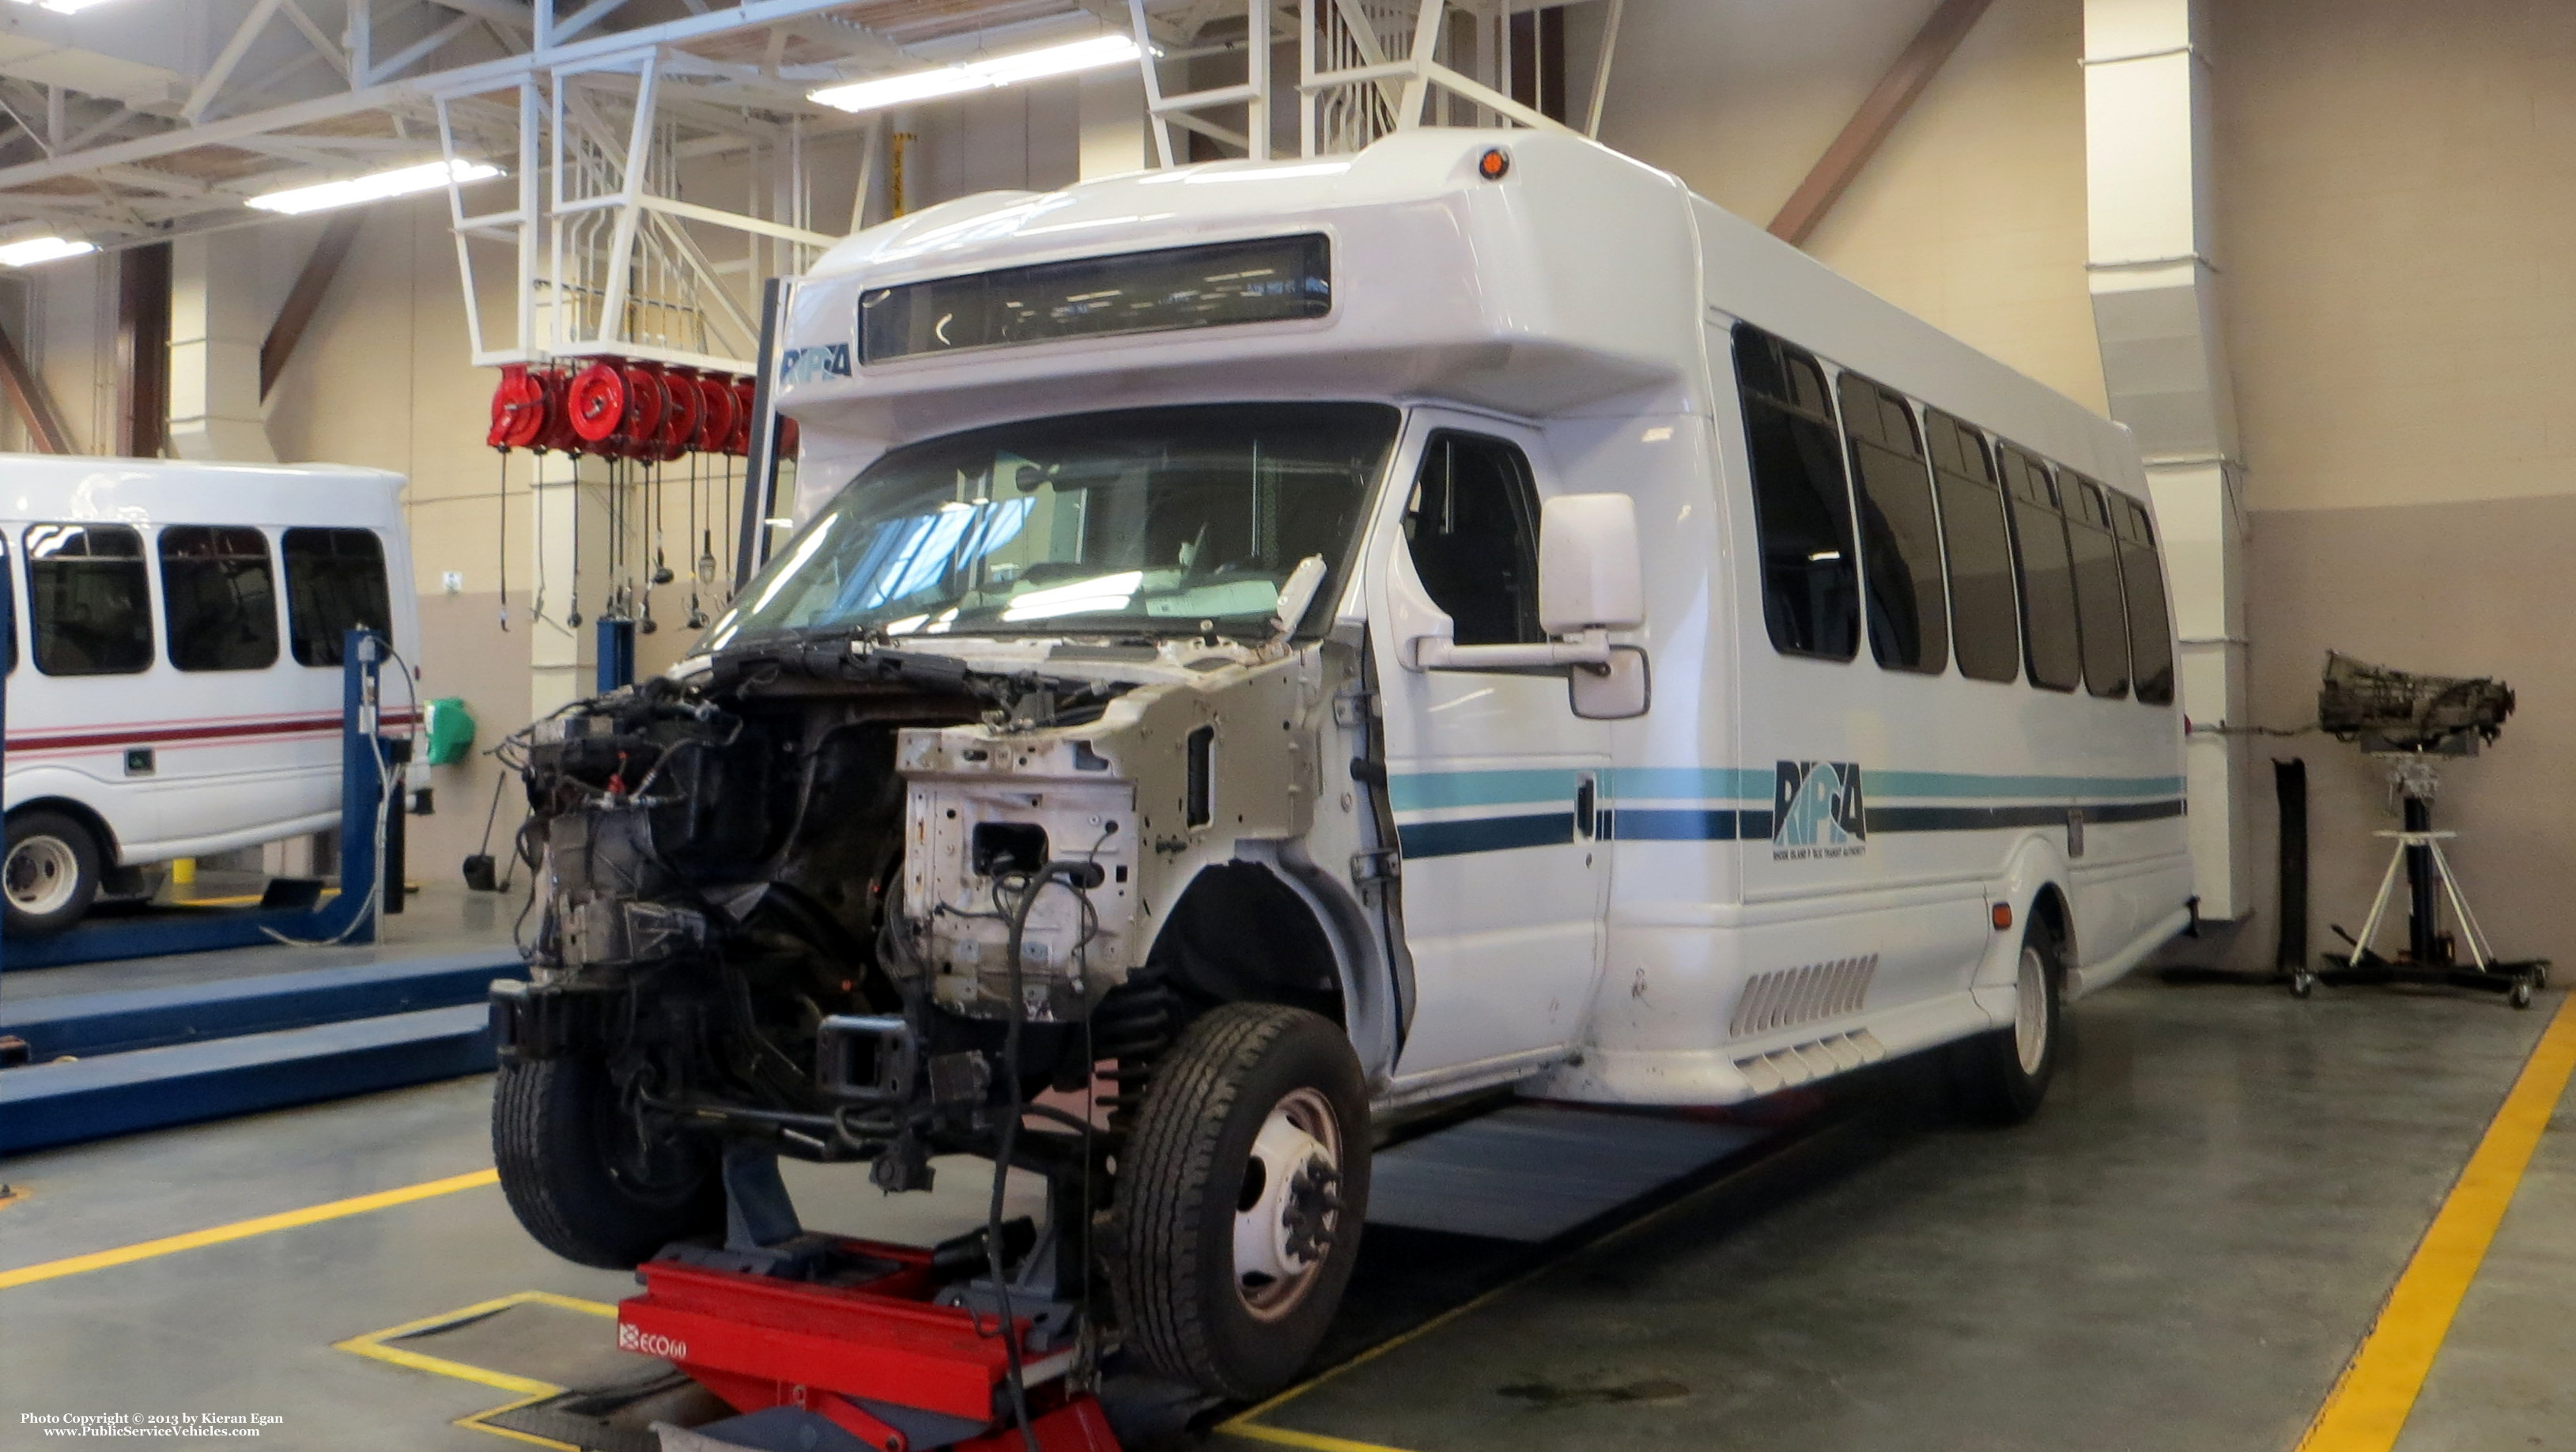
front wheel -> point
(51, 873)
(2003, 1074)
(589, 1181)
(1240, 1197)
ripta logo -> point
(650, 1343)
(813, 365)
(1816, 811)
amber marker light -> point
(1494, 164)
(2003, 916)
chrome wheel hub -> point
(2030, 1011)
(40, 875)
(1289, 1207)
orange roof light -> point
(1494, 164)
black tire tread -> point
(551, 1175)
(1167, 1174)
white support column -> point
(215, 333)
(1113, 124)
(2164, 361)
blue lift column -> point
(616, 653)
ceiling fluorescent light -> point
(33, 250)
(980, 75)
(62, 7)
(401, 182)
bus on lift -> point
(1271, 644)
(181, 688)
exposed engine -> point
(727, 920)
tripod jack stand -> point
(2430, 956)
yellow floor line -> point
(2370, 1401)
(372, 1346)
(245, 1229)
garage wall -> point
(1972, 213)
(2399, 204)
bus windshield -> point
(1184, 521)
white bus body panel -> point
(239, 757)
(1580, 308)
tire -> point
(575, 1177)
(1229, 1264)
(2003, 1075)
(50, 875)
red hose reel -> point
(621, 409)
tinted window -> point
(2150, 633)
(1801, 503)
(1473, 527)
(1983, 612)
(218, 598)
(1900, 540)
(335, 583)
(1268, 280)
(8, 603)
(2097, 586)
(2051, 647)
(87, 595)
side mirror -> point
(1590, 583)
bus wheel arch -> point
(1240, 933)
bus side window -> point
(89, 599)
(2142, 571)
(1472, 528)
(1900, 540)
(1983, 612)
(335, 583)
(1801, 501)
(9, 601)
(2097, 586)
(2051, 645)
(218, 598)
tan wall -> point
(1972, 213)
(2397, 184)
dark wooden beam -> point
(27, 393)
(1886, 105)
(143, 351)
(305, 298)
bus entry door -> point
(1494, 780)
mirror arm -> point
(1589, 650)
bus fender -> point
(2037, 866)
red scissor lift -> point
(864, 1346)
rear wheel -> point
(1240, 1198)
(2002, 1075)
(51, 873)
(589, 1182)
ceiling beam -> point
(27, 393)
(304, 300)
(229, 59)
(484, 75)
(1886, 104)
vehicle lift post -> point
(350, 917)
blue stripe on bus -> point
(1721, 824)
(1485, 834)
(1420, 791)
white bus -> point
(1469, 613)
(174, 674)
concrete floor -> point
(2181, 1252)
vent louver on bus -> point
(1794, 996)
